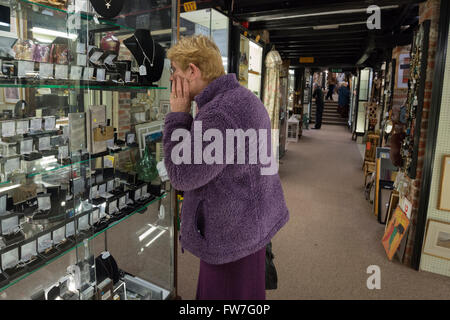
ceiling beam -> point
(283, 9)
(310, 32)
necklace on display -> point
(145, 56)
(108, 4)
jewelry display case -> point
(80, 218)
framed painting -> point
(395, 232)
(437, 239)
(444, 195)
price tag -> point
(101, 74)
(24, 68)
(81, 48)
(8, 129)
(81, 60)
(110, 58)
(61, 71)
(88, 73)
(76, 72)
(143, 70)
(95, 57)
(46, 70)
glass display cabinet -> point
(247, 60)
(85, 203)
(209, 22)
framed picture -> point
(393, 203)
(444, 196)
(437, 239)
(12, 95)
(164, 107)
(395, 232)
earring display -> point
(95, 216)
(25, 146)
(78, 186)
(22, 127)
(8, 128)
(44, 143)
(10, 259)
(36, 125)
(45, 243)
(3, 200)
(28, 251)
(83, 223)
(112, 207)
(70, 229)
(49, 123)
(11, 165)
(59, 235)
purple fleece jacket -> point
(229, 210)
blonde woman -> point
(230, 211)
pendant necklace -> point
(145, 56)
(108, 4)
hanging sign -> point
(336, 70)
(306, 59)
(190, 6)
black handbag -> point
(271, 271)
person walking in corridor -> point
(331, 87)
(318, 95)
(230, 212)
(344, 100)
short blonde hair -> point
(202, 52)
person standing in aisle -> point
(318, 95)
(331, 87)
(230, 212)
(344, 100)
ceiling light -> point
(329, 26)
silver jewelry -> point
(108, 4)
(145, 56)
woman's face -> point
(192, 74)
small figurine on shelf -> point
(146, 167)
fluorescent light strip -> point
(318, 14)
(54, 33)
(154, 239)
(3, 24)
(147, 233)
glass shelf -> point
(51, 84)
(84, 15)
(79, 240)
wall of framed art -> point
(435, 252)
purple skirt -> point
(244, 279)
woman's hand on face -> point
(179, 97)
